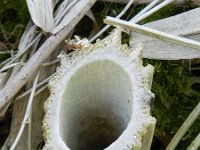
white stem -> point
(125, 1)
(153, 10)
(185, 126)
(147, 1)
(147, 8)
(153, 33)
(142, 15)
(27, 114)
(5, 52)
(25, 50)
(108, 26)
(62, 13)
(41, 89)
(30, 129)
(38, 85)
(195, 144)
(6, 68)
(50, 63)
(7, 60)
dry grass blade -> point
(153, 33)
(185, 126)
(195, 144)
(41, 89)
(61, 8)
(50, 63)
(7, 60)
(4, 52)
(147, 8)
(5, 68)
(22, 51)
(42, 13)
(150, 12)
(27, 114)
(38, 85)
(62, 11)
(108, 26)
(27, 36)
(72, 8)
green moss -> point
(13, 19)
(174, 101)
(14, 16)
(14, 12)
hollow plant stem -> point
(146, 9)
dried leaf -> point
(42, 13)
